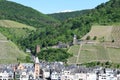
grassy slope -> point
(99, 52)
(9, 52)
(14, 24)
(73, 50)
(90, 52)
(15, 30)
(100, 31)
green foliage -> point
(88, 38)
(95, 37)
(54, 55)
(9, 51)
(113, 41)
(102, 39)
(2, 0)
(102, 64)
(15, 34)
(28, 59)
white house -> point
(46, 73)
(80, 76)
(66, 75)
(107, 77)
(55, 75)
(91, 76)
(118, 76)
(4, 76)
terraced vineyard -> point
(116, 35)
(99, 32)
(92, 52)
(88, 53)
(73, 50)
(101, 51)
(9, 52)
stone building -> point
(37, 48)
(75, 41)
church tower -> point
(37, 68)
(75, 40)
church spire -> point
(36, 60)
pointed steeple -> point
(36, 60)
(36, 69)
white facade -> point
(118, 77)
(66, 75)
(80, 76)
(5, 76)
(46, 74)
(107, 77)
(54, 76)
(91, 76)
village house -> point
(67, 75)
(55, 76)
(107, 74)
(80, 76)
(46, 73)
(91, 76)
(6, 75)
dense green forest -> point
(17, 12)
(47, 35)
(54, 55)
(66, 15)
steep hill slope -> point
(109, 35)
(17, 12)
(106, 47)
(15, 31)
(9, 52)
(94, 52)
(99, 32)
